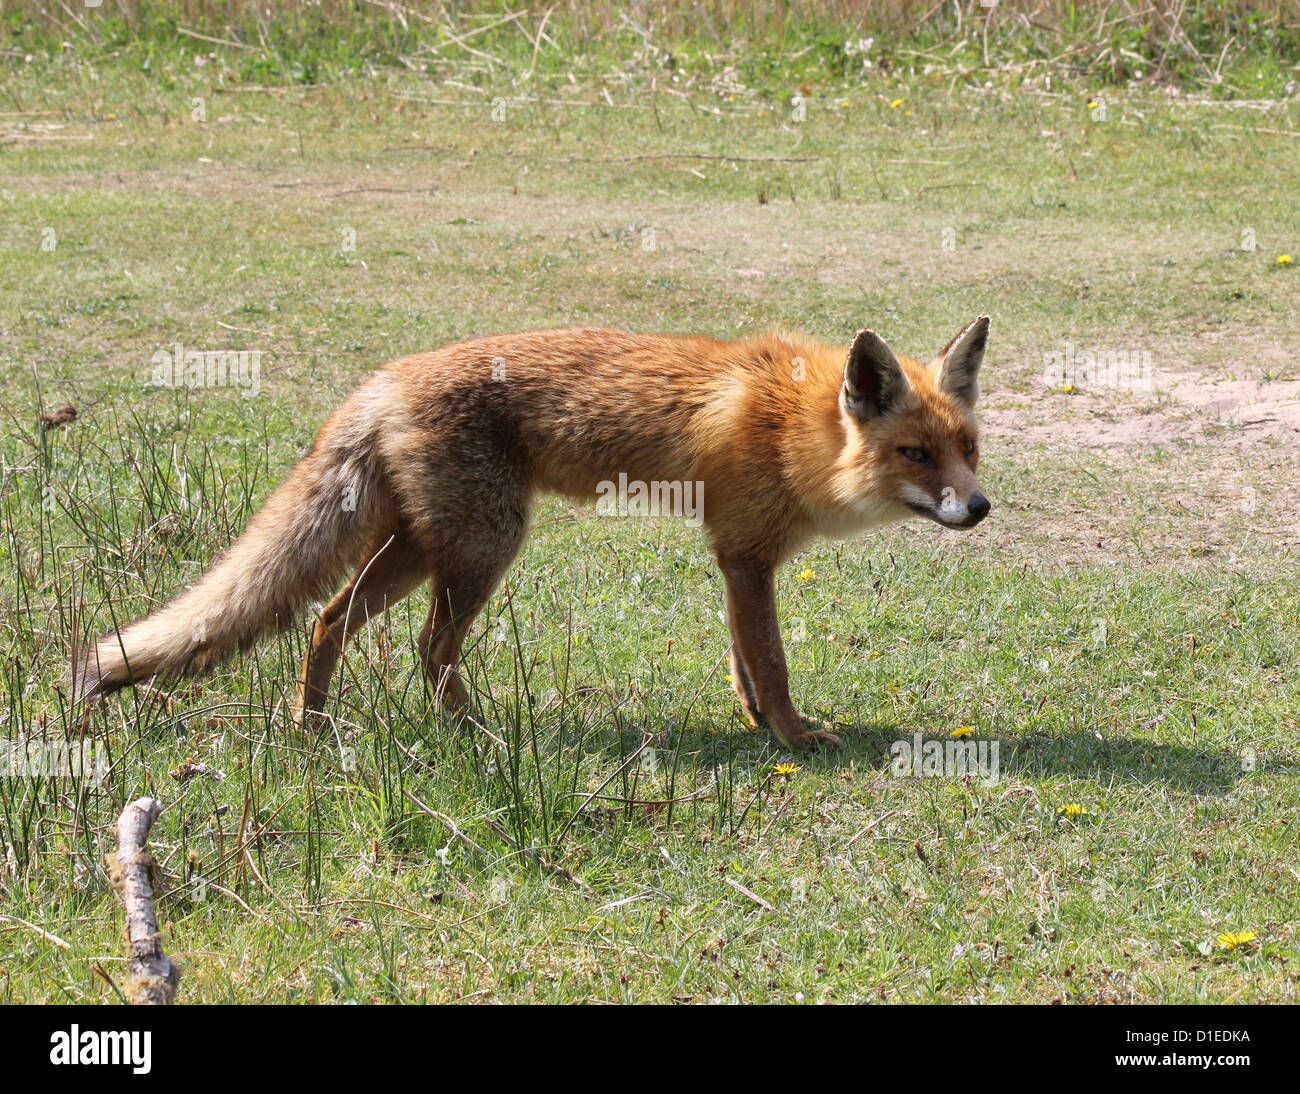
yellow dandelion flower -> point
(1073, 809)
(1284, 260)
(806, 575)
(962, 731)
(1231, 940)
(1092, 105)
(1068, 388)
(895, 104)
(875, 654)
(786, 769)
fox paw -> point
(816, 734)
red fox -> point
(428, 470)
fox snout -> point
(949, 508)
(956, 514)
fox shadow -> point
(707, 741)
(1026, 757)
(1082, 754)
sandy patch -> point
(1181, 408)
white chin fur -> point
(914, 495)
(949, 511)
(953, 512)
(860, 515)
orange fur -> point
(427, 473)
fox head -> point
(916, 424)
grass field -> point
(1124, 625)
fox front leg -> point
(760, 656)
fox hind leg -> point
(464, 578)
(391, 567)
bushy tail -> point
(299, 543)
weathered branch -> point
(153, 977)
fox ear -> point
(959, 363)
(873, 378)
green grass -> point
(316, 870)
(1231, 46)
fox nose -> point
(978, 507)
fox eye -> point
(916, 455)
(970, 448)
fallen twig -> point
(153, 977)
(39, 930)
(536, 856)
(688, 156)
(749, 893)
(214, 41)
